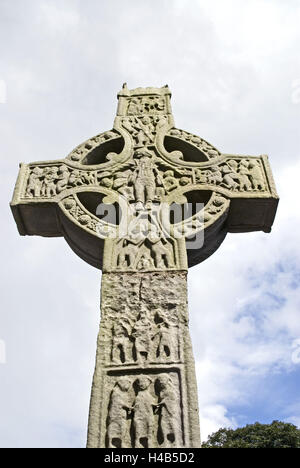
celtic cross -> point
(143, 203)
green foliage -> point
(275, 435)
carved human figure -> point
(215, 176)
(49, 186)
(118, 413)
(35, 182)
(169, 429)
(170, 182)
(134, 107)
(121, 346)
(120, 183)
(142, 130)
(231, 177)
(201, 176)
(89, 178)
(142, 336)
(128, 254)
(64, 176)
(256, 176)
(144, 179)
(245, 183)
(76, 178)
(163, 254)
(167, 340)
(153, 104)
(143, 419)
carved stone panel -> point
(144, 379)
(146, 179)
(143, 409)
(140, 328)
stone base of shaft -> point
(144, 392)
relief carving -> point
(146, 105)
(235, 175)
(145, 245)
(144, 412)
(121, 345)
(167, 340)
(142, 129)
(141, 334)
(163, 253)
(77, 212)
(63, 178)
(34, 186)
(152, 337)
(47, 182)
(256, 175)
(145, 180)
(119, 410)
(169, 426)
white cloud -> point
(3, 92)
(59, 17)
(2, 352)
(212, 418)
(246, 328)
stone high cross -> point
(144, 392)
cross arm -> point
(35, 213)
(60, 198)
(246, 181)
(253, 198)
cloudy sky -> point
(234, 69)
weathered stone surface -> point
(144, 390)
(144, 162)
(115, 199)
